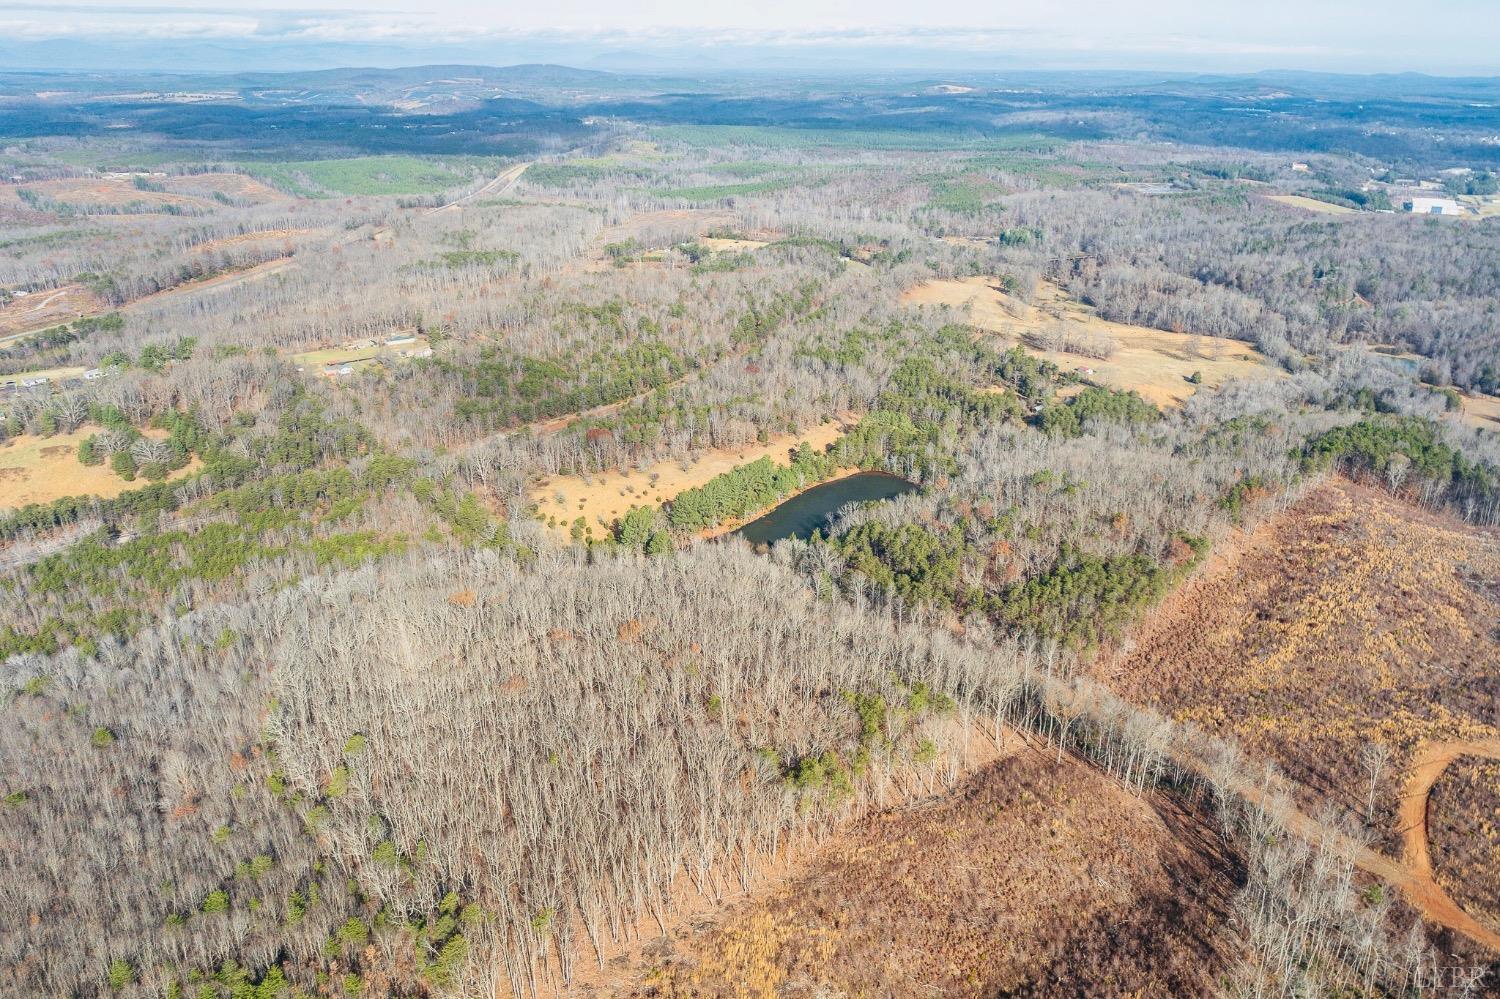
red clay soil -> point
(1414, 816)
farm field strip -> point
(609, 495)
(1311, 204)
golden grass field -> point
(42, 469)
(1482, 411)
(1155, 363)
(250, 237)
(338, 355)
(1311, 204)
(603, 498)
(720, 245)
(51, 374)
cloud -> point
(1142, 33)
(35, 22)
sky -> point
(1451, 37)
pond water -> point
(806, 512)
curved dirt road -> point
(1427, 766)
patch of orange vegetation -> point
(102, 192)
(250, 237)
(625, 959)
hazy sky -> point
(1441, 36)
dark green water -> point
(806, 512)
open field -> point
(1033, 877)
(1350, 620)
(1155, 363)
(1482, 410)
(1311, 204)
(313, 360)
(601, 499)
(41, 469)
(722, 245)
(1483, 206)
(372, 175)
(51, 374)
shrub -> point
(123, 465)
(354, 932)
(121, 973)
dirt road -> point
(1427, 766)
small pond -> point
(807, 512)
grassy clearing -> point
(42, 469)
(51, 374)
(1482, 411)
(372, 175)
(604, 498)
(341, 355)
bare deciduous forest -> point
(347, 688)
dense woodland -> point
(320, 705)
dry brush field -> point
(1034, 877)
(1463, 825)
(1353, 621)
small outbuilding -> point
(1433, 206)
